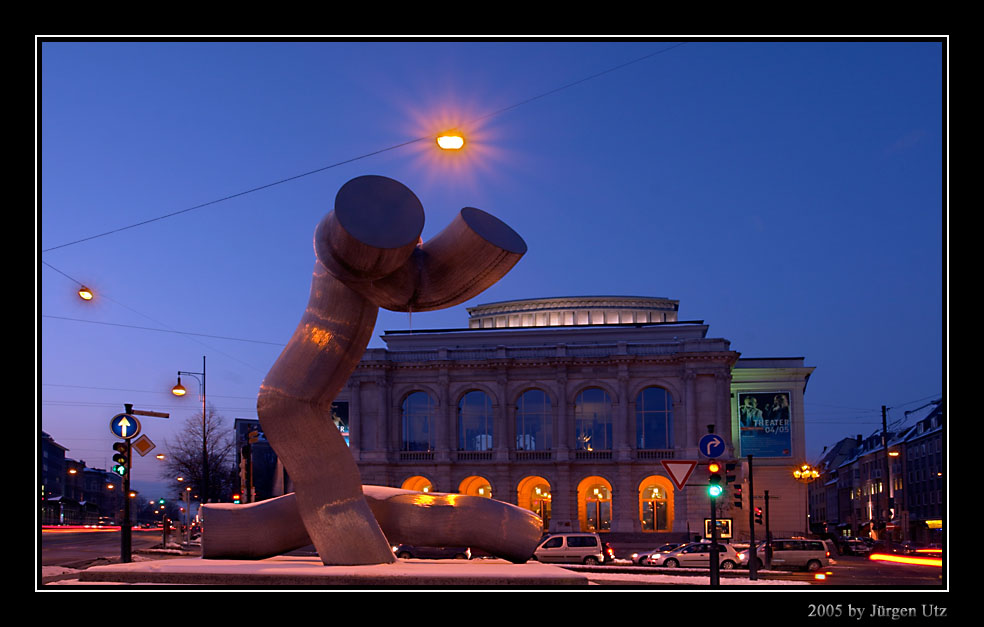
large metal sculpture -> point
(369, 255)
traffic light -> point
(730, 469)
(714, 488)
(236, 498)
(737, 496)
(121, 462)
(758, 515)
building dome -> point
(573, 311)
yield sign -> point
(679, 470)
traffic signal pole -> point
(715, 564)
(125, 530)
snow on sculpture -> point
(369, 255)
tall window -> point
(593, 420)
(654, 419)
(418, 422)
(533, 421)
(475, 422)
(654, 508)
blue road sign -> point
(711, 446)
(124, 426)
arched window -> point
(655, 504)
(593, 420)
(654, 419)
(418, 422)
(533, 421)
(475, 422)
(594, 504)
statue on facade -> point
(369, 255)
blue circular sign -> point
(124, 426)
(711, 446)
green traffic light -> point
(714, 490)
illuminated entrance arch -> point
(476, 486)
(418, 483)
(594, 504)
(533, 493)
(656, 504)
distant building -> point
(71, 493)
(892, 490)
(577, 409)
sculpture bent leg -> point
(274, 526)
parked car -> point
(571, 548)
(696, 555)
(854, 546)
(642, 558)
(406, 551)
(802, 553)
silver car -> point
(696, 555)
(642, 559)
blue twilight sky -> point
(791, 194)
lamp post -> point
(179, 390)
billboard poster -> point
(340, 416)
(765, 424)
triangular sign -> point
(679, 470)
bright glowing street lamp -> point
(806, 473)
(451, 140)
(85, 293)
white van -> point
(571, 548)
(809, 555)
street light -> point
(806, 474)
(179, 390)
(452, 140)
(85, 293)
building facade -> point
(72, 493)
(885, 486)
(588, 411)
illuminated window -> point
(593, 420)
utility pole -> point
(752, 553)
(886, 483)
(768, 534)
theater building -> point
(587, 411)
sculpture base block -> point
(288, 571)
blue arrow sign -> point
(711, 445)
(124, 426)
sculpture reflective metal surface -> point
(369, 255)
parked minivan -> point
(809, 555)
(571, 548)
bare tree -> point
(184, 459)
